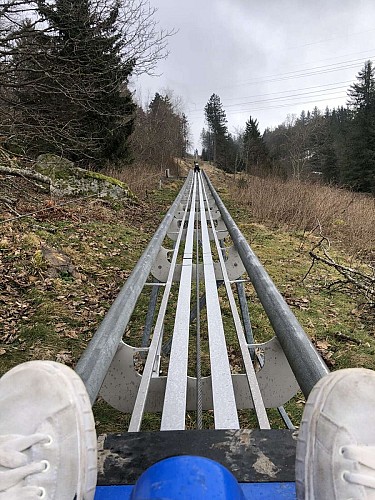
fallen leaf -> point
(323, 345)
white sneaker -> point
(335, 458)
(47, 434)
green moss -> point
(54, 167)
(102, 177)
(37, 330)
(61, 170)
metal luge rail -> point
(96, 359)
(174, 409)
(197, 226)
(303, 358)
(155, 345)
(249, 368)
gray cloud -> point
(278, 56)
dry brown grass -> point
(140, 178)
(143, 178)
(345, 217)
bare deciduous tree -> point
(143, 41)
(161, 132)
(65, 66)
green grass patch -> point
(51, 315)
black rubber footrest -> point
(251, 455)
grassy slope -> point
(332, 319)
(46, 317)
(54, 317)
(342, 331)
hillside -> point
(63, 265)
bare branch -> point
(22, 172)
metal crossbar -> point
(199, 218)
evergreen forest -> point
(336, 146)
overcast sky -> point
(264, 58)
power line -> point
(318, 93)
(316, 70)
(295, 96)
(339, 57)
(264, 107)
(258, 106)
(285, 105)
(346, 82)
(291, 98)
(329, 39)
(305, 74)
(324, 66)
(299, 74)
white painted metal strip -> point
(225, 411)
(256, 395)
(174, 409)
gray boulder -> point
(69, 180)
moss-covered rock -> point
(69, 180)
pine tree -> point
(66, 79)
(217, 125)
(184, 133)
(29, 58)
(90, 80)
(360, 169)
(339, 127)
(207, 144)
(253, 144)
(215, 115)
(323, 158)
(362, 93)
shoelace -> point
(14, 466)
(364, 455)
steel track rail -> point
(155, 346)
(308, 367)
(256, 395)
(95, 361)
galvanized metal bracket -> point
(233, 264)
(174, 229)
(276, 381)
(214, 213)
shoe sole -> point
(88, 450)
(86, 426)
(305, 451)
(87, 442)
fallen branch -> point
(342, 337)
(360, 280)
(11, 209)
(29, 174)
(9, 201)
(347, 272)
